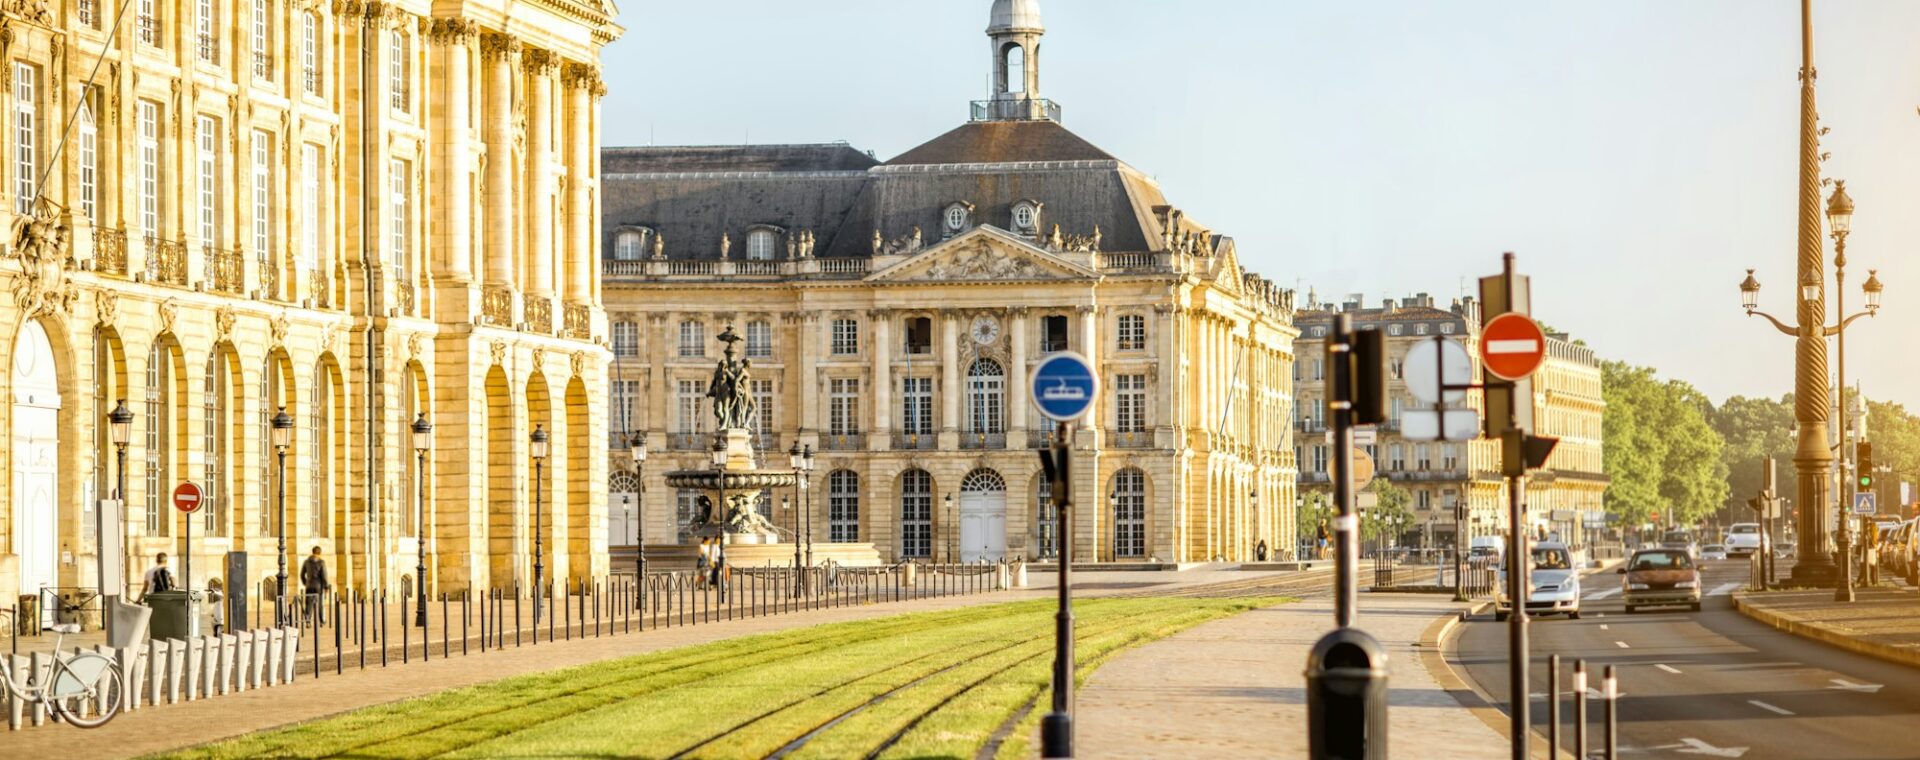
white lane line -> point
(1668, 668)
(1865, 688)
(1768, 707)
(1605, 594)
(1726, 588)
(1622, 645)
(1603, 627)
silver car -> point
(1556, 584)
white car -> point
(1744, 539)
(1556, 584)
(1713, 551)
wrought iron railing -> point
(311, 80)
(687, 441)
(842, 442)
(1130, 439)
(226, 269)
(496, 305)
(262, 66)
(269, 276)
(110, 251)
(987, 441)
(578, 321)
(914, 441)
(1039, 438)
(540, 314)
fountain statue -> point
(733, 486)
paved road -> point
(1712, 683)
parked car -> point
(1786, 550)
(1556, 584)
(1713, 552)
(1744, 539)
(1660, 578)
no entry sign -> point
(187, 497)
(1512, 346)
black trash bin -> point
(176, 614)
(1347, 697)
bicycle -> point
(72, 685)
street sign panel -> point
(1513, 346)
(1865, 503)
(1064, 386)
(1436, 368)
(187, 497)
(1362, 468)
(1426, 425)
(1362, 436)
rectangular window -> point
(843, 406)
(262, 58)
(149, 22)
(1423, 499)
(1130, 413)
(1053, 334)
(1396, 457)
(626, 339)
(693, 339)
(620, 427)
(89, 165)
(89, 14)
(763, 412)
(1449, 457)
(920, 335)
(1319, 458)
(149, 170)
(843, 507)
(397, 64)
(916, 405)
(400, 179)
(310, 73)
(846, 337)
(26, 163)
(689, 421)
(209, 179)
(1422, 456)
(156, 441)
(759, 340)
(310, 230)
(916, 514)
(1133, 332)
(263, 194)
(1129, 514)
(204, 29)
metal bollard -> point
(1553, 704)
(1347, 697)
(1580, 709)
(1613, 699)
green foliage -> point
(1754, 429)
(1318, 507)
(1895, 433)
(1393, 505)
(1661, 453)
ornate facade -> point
(893, 311)
(354, 212)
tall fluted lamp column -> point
(538, 447)
(120, 426)
(282, 438)
(422, 438)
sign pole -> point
(1345, 523)
(1063, 386)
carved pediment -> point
(983, 254)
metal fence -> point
(1434, 570)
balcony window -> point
(760, 245)
(626, 339)
(759, 339)
(846, 337)
(1053, 333)
(693, 339)
(919, 335)
(1133, 332)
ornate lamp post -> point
(120, 428)
(953, 537)
(806, 497)
(539, 451)
(422, 438)
(1820, 566)
(798, 463)
(637, 447)
(282, 426)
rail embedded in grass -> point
(906, 685)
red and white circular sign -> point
(1512, 346)
(187, 497)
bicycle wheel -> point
(85, 690)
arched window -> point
(216, 441)
(957, 217)
(760, 245)
(983, 481)
(986, 388)
(158, 438)
(1016, 68)
(1046, 537)
(623, 508)
(916, 514)
(843, 507)
(320, 449)
(1129, 514)
(628, 244)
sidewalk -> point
(1883, 622)
(157, 729)
(1234, 688)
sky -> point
(1637, 155)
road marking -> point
(1864, 688)
(1697, 747)
(1622, 645)
(1668, 668)
(1603, 627)
(1768, 707)
(1605, 594)
(1726, 588)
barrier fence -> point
(1434, 570)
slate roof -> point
(998, 142)
(734, 158)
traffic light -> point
(1863, 467)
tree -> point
(1896, 443)
(1314, 508)
(1392, 507)
(1754, 429)
(1661, 453)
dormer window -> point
(1026, 217)
(760, 244)
(958, 216)
(630, 244)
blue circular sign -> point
(1064, 386)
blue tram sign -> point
(1064, 386)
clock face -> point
(985, 329)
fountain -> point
(732, 486)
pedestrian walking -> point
(703, 564)
(313, 576)
(1320, 541)
(158, 577)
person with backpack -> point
(158, 578)
(313, 576)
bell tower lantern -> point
(1015, 30)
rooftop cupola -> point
(1015, 30)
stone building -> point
(893, 310)
(1443, 476)
(355, 212)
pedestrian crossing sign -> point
(1865, 503)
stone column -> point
(1017, 401)
(882, 392)
(453, 231)
(949, 379)
(583, 86)
(540, 65)
(806, 333)
(1090, 348)
(500, 51)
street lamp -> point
(539, 450)
(422, 438)
(954, 535)
(120, 427)
(637, 448)
(806, 497)
(282, 438)
(1813, 458)
(717, 454)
